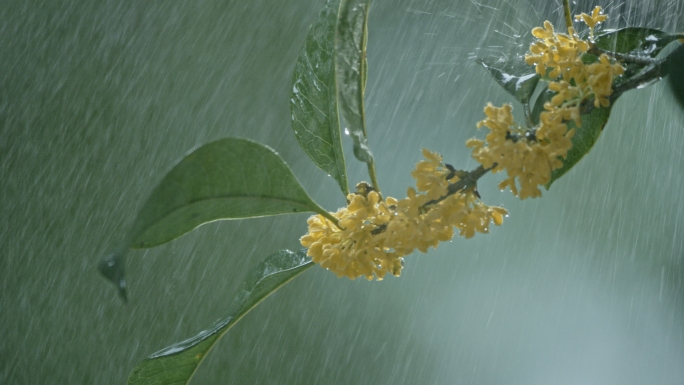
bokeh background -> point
(99, 98)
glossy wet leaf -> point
(227, 179)
(515, 76)
(545, 96)
(583, 140)
(641, 43)
(350, 60)
(177, 363)
(313, 101)
(676, 75)
(112, 267)
(636, 41)
(630, 40)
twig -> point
(658, 70)
(568, 17)
(469, 180)
(594, 50)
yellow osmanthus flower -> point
(527, 160)
(562, 55)
(600, 77)
(375, 234)
(529, 157)
(591, 21)
(557, 52)
(430, 175)
(352, 250)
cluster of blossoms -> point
(529, 156)
(373, 234)
(562, 55)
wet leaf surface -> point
(584, 139)
(635, 40)
(177, 363)
(676, 75)
(313, 101)
(227, 179)
(350, 59)
(515, 76)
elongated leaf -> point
(227, 179)
(515, 76)
(545, 96)
(112, 267)
(177, 363)
(637, 41)
(313, 101)
(644, 44)
(350, 61)
(676, 75)
(584, 139)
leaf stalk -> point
(568, 16)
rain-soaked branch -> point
(656, 70)
(468, 180)
(640, 60)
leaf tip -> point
(112, 268)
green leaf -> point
(350, 61)
(584, 139)
(637, 41)
(545, 96)
(644, 44)
(177, 363)
(515, 76)
(112, 267)
(227, 179)
(313, 101)
(676, 74)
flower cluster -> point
(557, 52)
(529, 156)
(575, 81)
(525, 157)
(592, 20)
(374, 233)
(371, 235)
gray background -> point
(99, 98)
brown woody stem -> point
(470, 180)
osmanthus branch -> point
(630, 59)
(657, 69)
(640, 60)
(468, 180)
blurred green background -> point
(99, 98)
